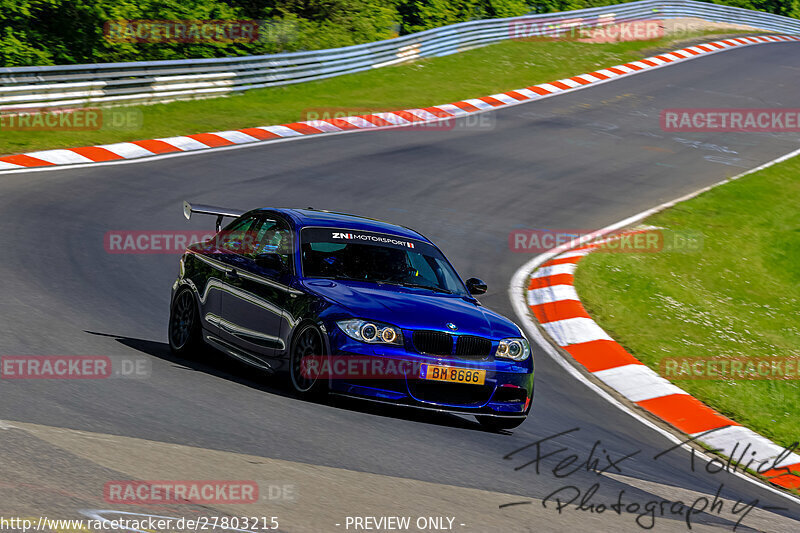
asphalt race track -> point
(578, 161)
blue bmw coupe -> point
(351, 306)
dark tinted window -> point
(377, 258)
(256, 235)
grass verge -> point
(488, 70)
(738, 297)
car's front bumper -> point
(507, 390)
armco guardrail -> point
(163, 81)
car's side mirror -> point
(271, 261)
(476, 286)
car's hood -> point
(410, 308)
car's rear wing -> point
(220, 212)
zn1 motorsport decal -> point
(371, 238)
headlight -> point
(516, 349)
(371, 332)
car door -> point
(255, 297)
(207, 275)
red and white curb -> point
(555, 304)
(140, 150)
(547, 283)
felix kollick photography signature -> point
(546, 455)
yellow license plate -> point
(452, 375)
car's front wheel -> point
(184, 335)
(307, 343)
(494, 423)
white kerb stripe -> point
(392, 118)
(236, 137)
(359, 122)
(504, 98)
(760, 448)
(321, 125)
(452, 109)
(623, 68)
(588, 77)
(8, 166)
(480, 104)
(424, 115)
(527, 93)
(554, 293)
(575, 331)
(184, 143)
(551, 88)
(552, 270)
(60, 157)
(127, 150)
(637, 382)
(575, 253)
(607, 73)
(570, 83)
(282, 131)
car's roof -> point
(328, 219)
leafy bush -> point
(48, 32)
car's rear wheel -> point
(185, 338)
(307, 342)
(494, 423)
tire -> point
(499, 424)
(307, 341)
(185, 337)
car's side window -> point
(238, 237)
(250, 237)
(273, 236)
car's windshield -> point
(377, 258)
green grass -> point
(738, 297)
(491, 69)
